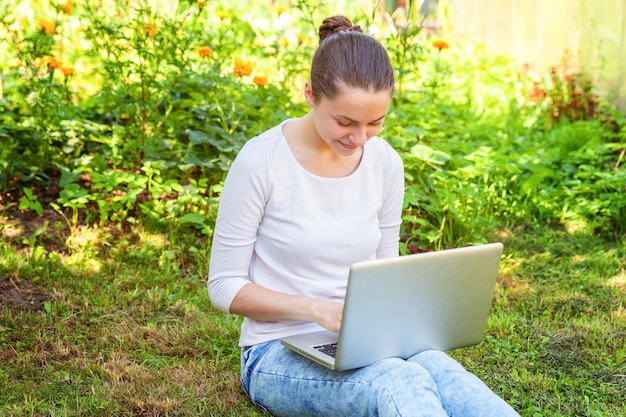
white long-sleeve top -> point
(284, 228)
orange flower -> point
(201, 4)
(441, 44)
(222, 14)
(204, 51)
(260, 80)
(48, 26)
(67, 71)
(52, 62)
(66, 7)
(150, 30)
(242, 68)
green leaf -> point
(430, 155)
(193, 218)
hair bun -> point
(336, 24)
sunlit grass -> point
(555, 334)
(132, 336)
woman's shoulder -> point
(384, 151)
(268, 139)
(261, 147)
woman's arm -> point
(390, 217)
(242, 207)
(260, 303)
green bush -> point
(135, 111)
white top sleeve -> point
(291, 231)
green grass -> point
(555, 343)
(124, 327)
(120, 324)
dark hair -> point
(348, 57)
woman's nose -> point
(359, 136)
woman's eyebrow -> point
(355, 121)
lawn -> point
(120, 324)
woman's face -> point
(347, 122)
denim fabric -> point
(428, 384)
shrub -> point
(136, 112)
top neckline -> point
(302, 168)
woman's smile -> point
(348, 146)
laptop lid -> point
(398, 307)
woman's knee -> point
(436, 360)
(402, 388)
(395, 375)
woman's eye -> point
(346, 124)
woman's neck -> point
(314, 154)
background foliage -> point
(135, 111)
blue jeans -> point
(428, 384)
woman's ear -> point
(308, 94)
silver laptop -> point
(401, 306)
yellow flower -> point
(66, 7)
(284, 42)
(302, 38)
(201, 4)
(260, 80)
(150, 30)
(222, 14)
(204, 51)
(48, 26)
(242, 68)
(280, 10)
(67, 71)
(441, 44)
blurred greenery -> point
(135, 110)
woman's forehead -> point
(359, 105)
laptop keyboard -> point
(330, 349)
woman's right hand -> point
(328, 314)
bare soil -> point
(16, 226)
(20, 295)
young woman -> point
(301, 203)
